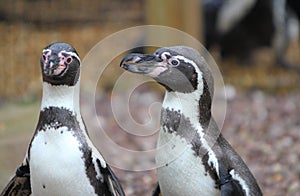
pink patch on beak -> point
(60, 69)
(156, 72)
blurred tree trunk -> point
(183, 15)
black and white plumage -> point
(61, 159)
(192, 157)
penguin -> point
(61, 159)
(192, 156)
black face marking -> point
(189, 71)
(182, 78)
(71, 73)
(205, 106)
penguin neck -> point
(185, 103)
(61, 96)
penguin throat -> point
(185, 104)
(195, 106)
(61, 96)
(181, 115)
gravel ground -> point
(264, 129)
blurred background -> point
(254, 42)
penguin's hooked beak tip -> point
(131, 59)
(140, 63)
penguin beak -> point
(147, 64)
(53, 66)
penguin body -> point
(176, 151)
(65, 151)
(61, 159)
(170, 176)
(192, 156)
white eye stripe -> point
(72, 54)
(63, 51)
(186, 60)
(166, 55)
(46, 51)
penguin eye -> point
(174, 62)
(69, 59)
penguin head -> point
(178, 68)
(60, 64)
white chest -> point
(56, 164)
(179, 171)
